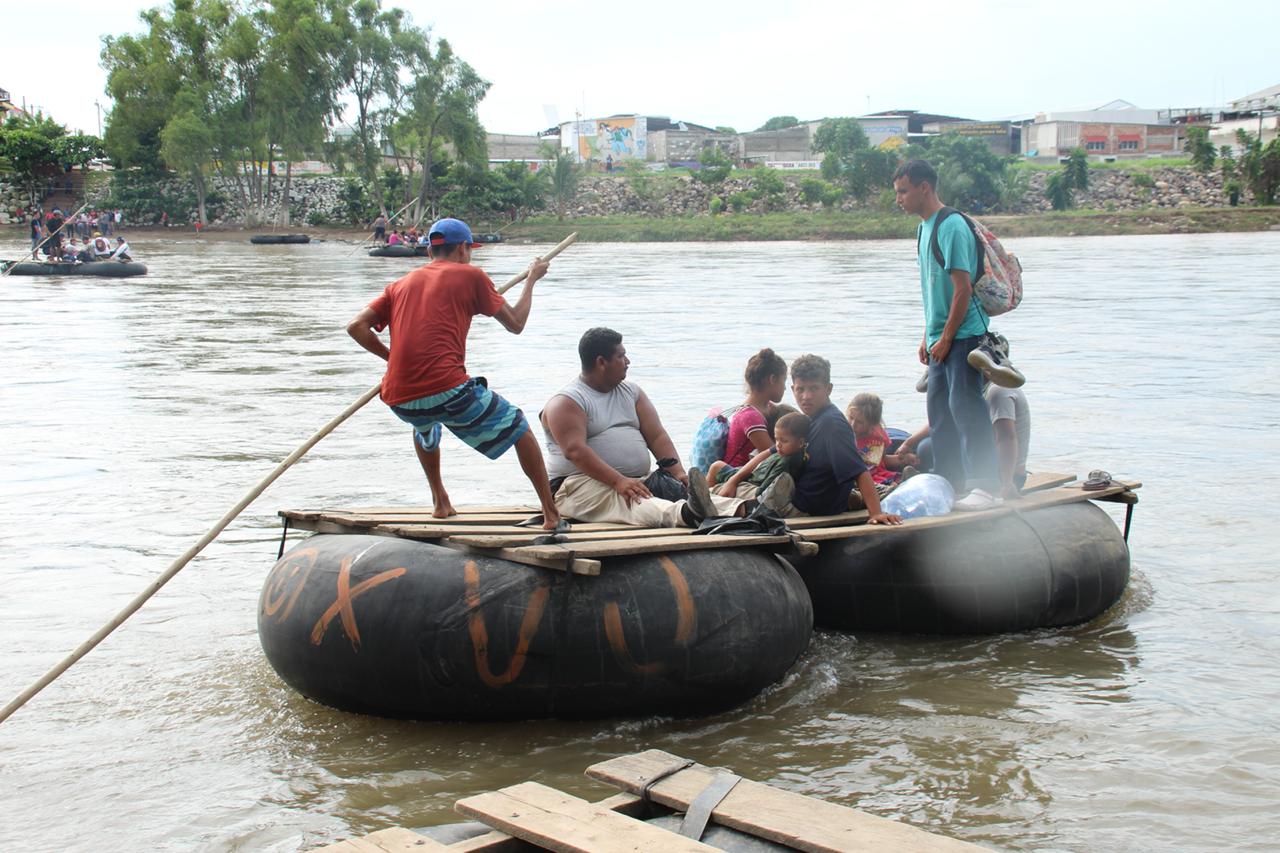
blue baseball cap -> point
(449, 232)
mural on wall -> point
(621, 138)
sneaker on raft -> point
(976, 500)
(778, 495)
(993, 364)
(699, 502)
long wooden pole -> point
(178, 564)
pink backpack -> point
(998, 284)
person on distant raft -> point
(99, 248)
(379, 226)
(37, 234)
(121, 252)
(429, 313)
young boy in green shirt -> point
(791, 434)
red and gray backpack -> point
(998, 284)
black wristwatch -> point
(668, 462)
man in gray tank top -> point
(601, 431)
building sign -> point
(983, 128)
(794, 164)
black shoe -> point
(699, 501)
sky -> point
(737, 65)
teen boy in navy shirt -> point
(833, 467)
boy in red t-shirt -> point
(426, 385)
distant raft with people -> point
(400, 250)
(101, 269)
(275, 239)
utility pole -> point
(99, 106)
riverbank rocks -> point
(319, 199)
(1114, 189)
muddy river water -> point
(134, 412)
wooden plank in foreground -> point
(557, 821)
(392, 840)
(780, 816)
(489, 842)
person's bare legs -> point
(712, 472)
(530, 456)
(431, 467)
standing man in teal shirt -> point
(954, 323)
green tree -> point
(841, 137)
(812, 189)
(832, 195)
(715, 164)
(767, 184)
(441, 104)
(301, 83)
(849, 158)
(186, 142)
(1227, 162)
(37, 146)
(1014, 189)
(970, 175)
(1200, 148)
(563, 176)
(370, 66)
(779, 123)
(870, 170)
(164, 84)
(143, 78)
(1259, 167)
(1058, 191)
(1077, 169)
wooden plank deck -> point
(783, 817)
(534, 815)
(493, 530)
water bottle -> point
(923, 495)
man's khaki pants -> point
(585, 499)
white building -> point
(1258, 114)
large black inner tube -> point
(400, 251)
(1059, 565)
(269, 239)
(407, 629)
(102, 269)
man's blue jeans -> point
(964, 448)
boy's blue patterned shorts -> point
(472, 412)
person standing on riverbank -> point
(964, 451)
(429, 312)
